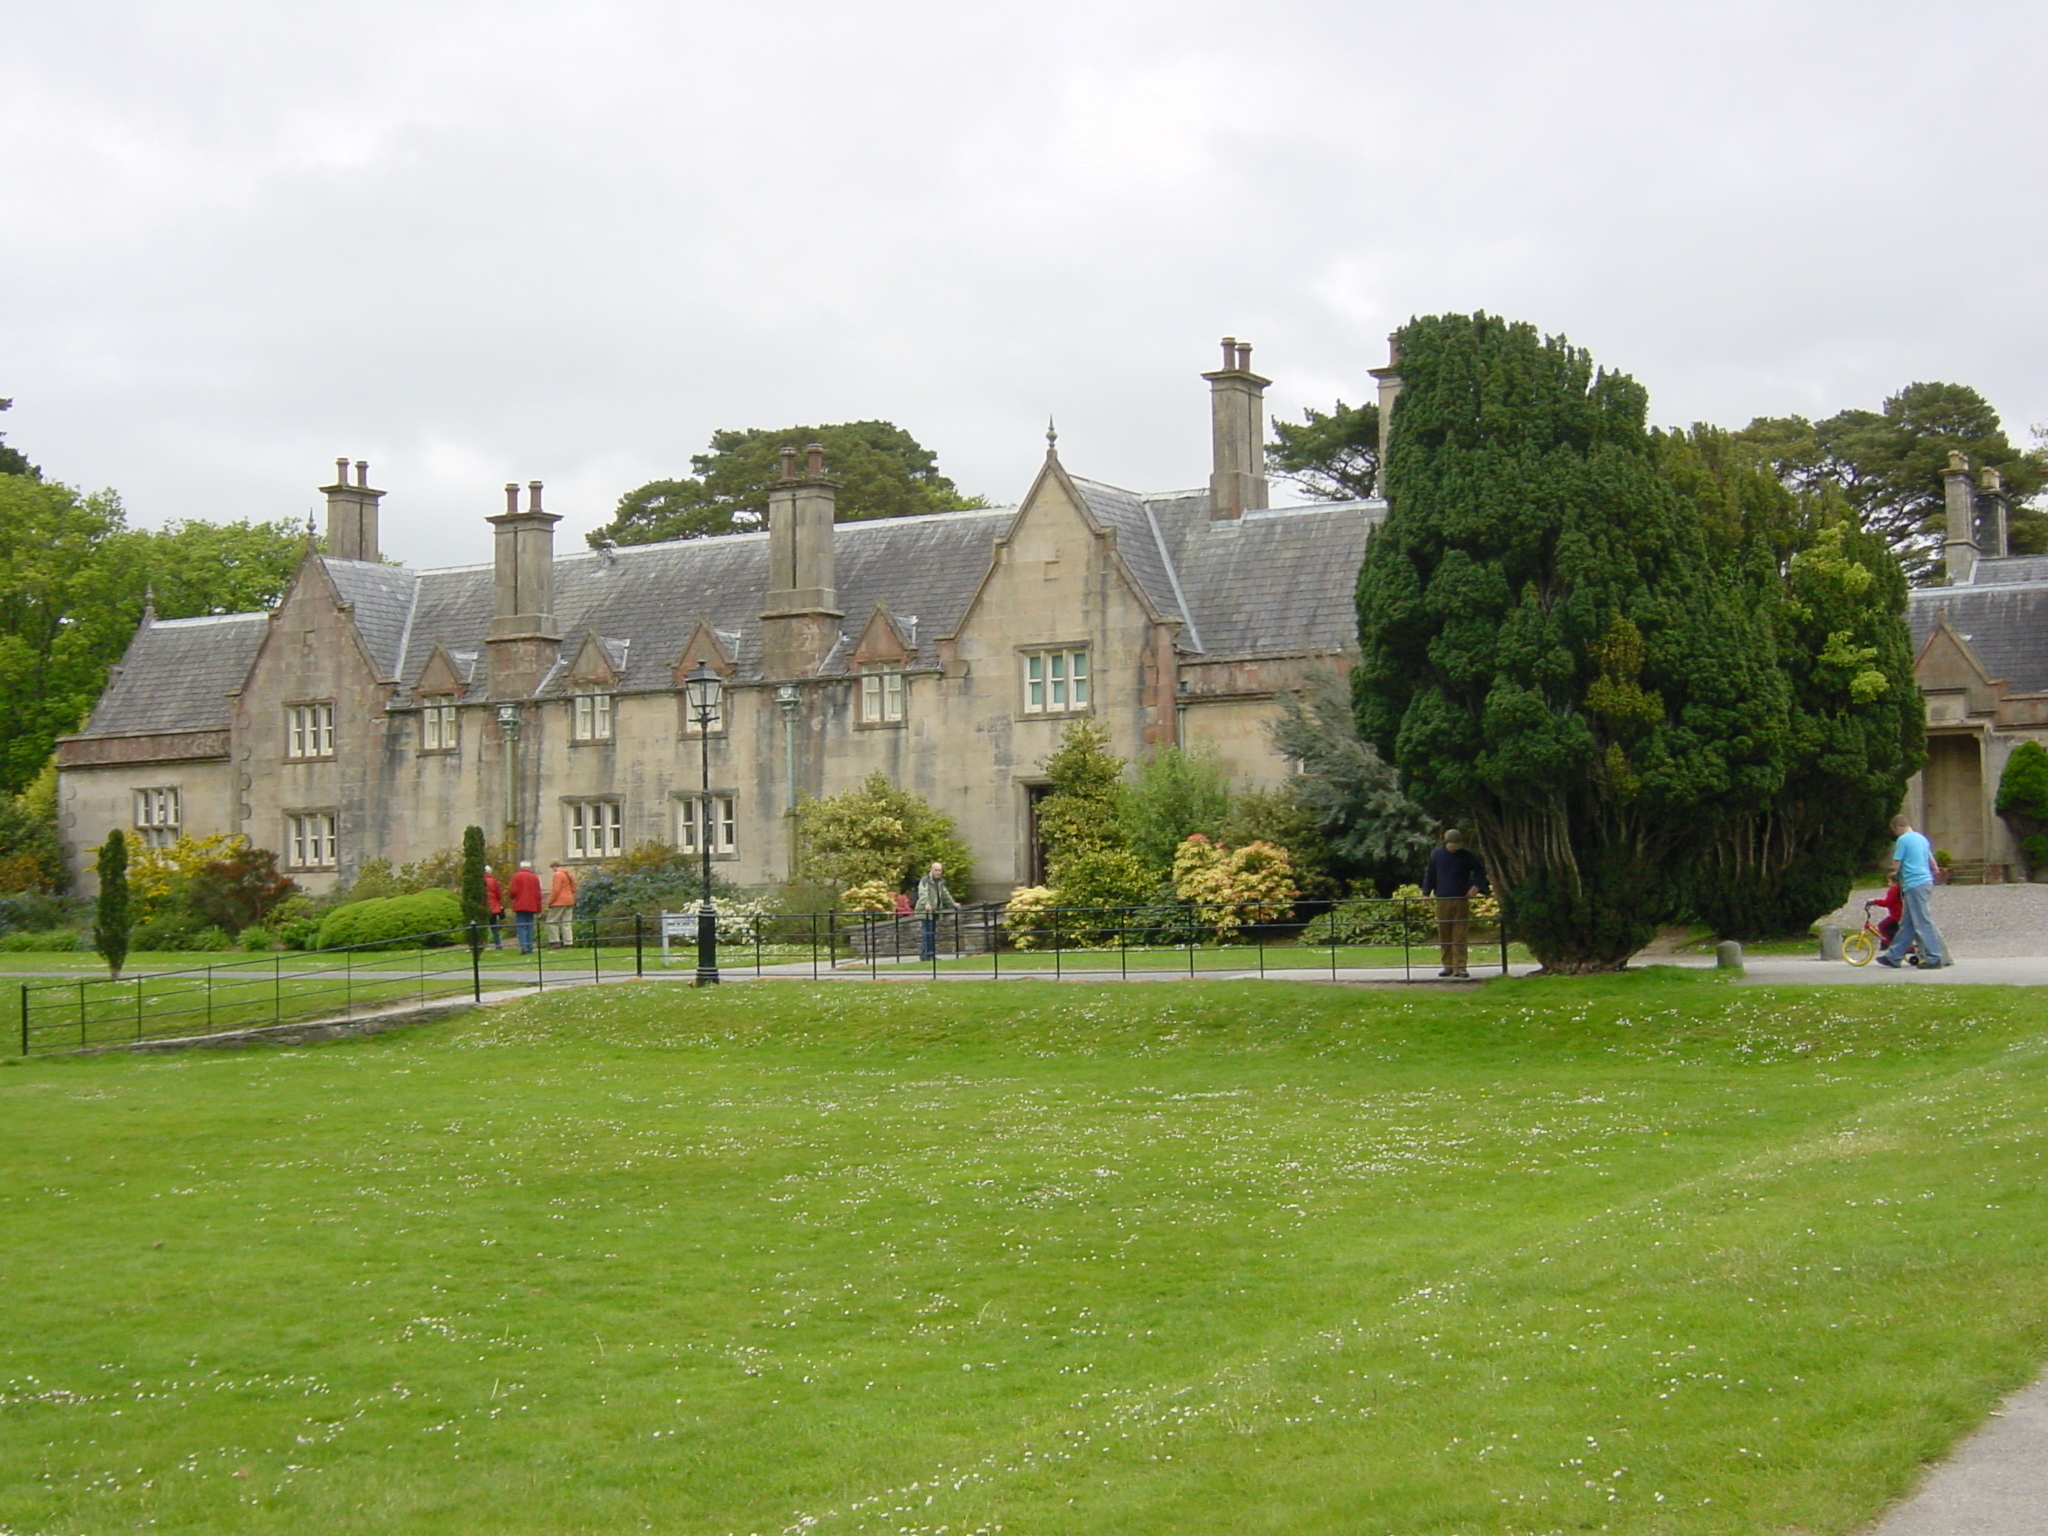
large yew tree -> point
(1855, 730)
(1551, 656)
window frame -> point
(594, 830)
(725, 844)
(883, 687)
(307, 834)
(591, 715)
(440, 726)
(1058, 680)
(155, 827)
(309, 731)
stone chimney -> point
(801, 613)
(523, 636)
(1993, 507)
(351, 513)
(1237, 420)
(1959, 543)
(1390, 391)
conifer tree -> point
(476, 906)
(1549, 655)
(1836, 598)
(112, 918)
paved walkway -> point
(1994, 1484)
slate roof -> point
(177, 676)
(2005, 623)
(1271, 582)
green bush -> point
(47, 941)
(383, 921)
(178, 932)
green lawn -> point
(1646, 1254)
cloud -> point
(481, 242)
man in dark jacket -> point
(1454, 876)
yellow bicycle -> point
(1861, 947)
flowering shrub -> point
(159, 877)
(872, 896)
(1029, 917)
(1230, 887)
(1407, 916)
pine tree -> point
(1550, 657)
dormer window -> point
(593, 720)
(881, 693)
(438, 729)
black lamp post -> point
(702, 691)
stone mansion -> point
(377, 711)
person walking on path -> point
(932, 899)
(1913, 859)
(561, 905)
(1454, 876)
(494, 903)
(525, 904)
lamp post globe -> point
(703, 691)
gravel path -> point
(1981, 921)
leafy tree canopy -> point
(882, 472)
(1173, 794)
(879, 833)
(73, 582)
(11, 461)
(1888, 465)
(1333, 455)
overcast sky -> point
(480, 242)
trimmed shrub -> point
(384, 921)
(176, 933)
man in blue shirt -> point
(1913, 858)
(1454, 876)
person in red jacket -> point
(525, 904)
(494, 903)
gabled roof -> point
(1267, 583)
(2005, 625)
(177, 676)
(382, 597)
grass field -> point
(1646, 1254)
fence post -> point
(1407, 970)
(476, 968)
(24, 1018)
(639, 947)
(209, 997)
(81, 1013)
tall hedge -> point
(1550, 655)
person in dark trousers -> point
(526, 903)
(932, 899)
(1454, 876)
(494, 903)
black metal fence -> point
(1379, 937)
